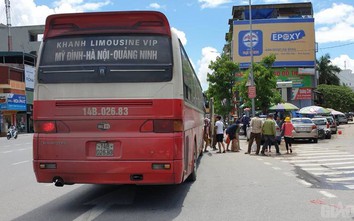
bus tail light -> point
(47, 165)
(168, 126)
(162, 126)
(161, 166)
(50, 127)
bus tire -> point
(193, 176)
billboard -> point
(291, 40)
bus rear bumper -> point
(108, 172)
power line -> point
(337, 46)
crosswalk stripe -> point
(319, 160)
(316, 151)
(317, 169)
(321, 154)
(333, 173)
(350, 187)
(342, 168)
(335, 165)
(319, 157)
(327, 194)
(324, 164)
(341, 179)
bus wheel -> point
(193, 176)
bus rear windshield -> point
(95, 59)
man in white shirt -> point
(220, 134)
(256, 133)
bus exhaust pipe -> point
(58, 182)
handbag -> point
(227, 140)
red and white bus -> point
(116, 101)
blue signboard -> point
(16, 102)
(244, 39)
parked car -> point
(304, 128)
(323, 127)
(332, 124)
(349, 116)
(341, 119)
(277, 131)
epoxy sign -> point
(291, 40)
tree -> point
(327, 71)
(340, 98)
(221, 82)
(265, 82)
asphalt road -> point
(316, 182)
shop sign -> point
(13, 102)
(302, 94)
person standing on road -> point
(256, 134)
(206, 135)
(245, 123)
(269, 132)
(220, 134)
(287, 129)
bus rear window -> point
(106, 59)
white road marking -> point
(276, 168)
(350, 187)
(319, 151)
(342, 168)
(124, 196)
(327, 194)
(334, 173)
(340, 179)
(267, 163)
(321, 154)
(9, 151)
(317, 157)
(304, 182)
(320, 160)
(26, 161)
(316, 168)
(324, 164)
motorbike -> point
(12, 132)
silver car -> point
(304, 128)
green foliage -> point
(327, 71)
(265, 82)
(340, 98)
(220, 84)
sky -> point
(202, 24)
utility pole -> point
(8, 21)
(251, 54)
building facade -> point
(286, 30)
(17, 68)
(346, 78)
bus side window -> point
(187, 92)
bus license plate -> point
(104, 149)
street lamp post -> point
(251, 54)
